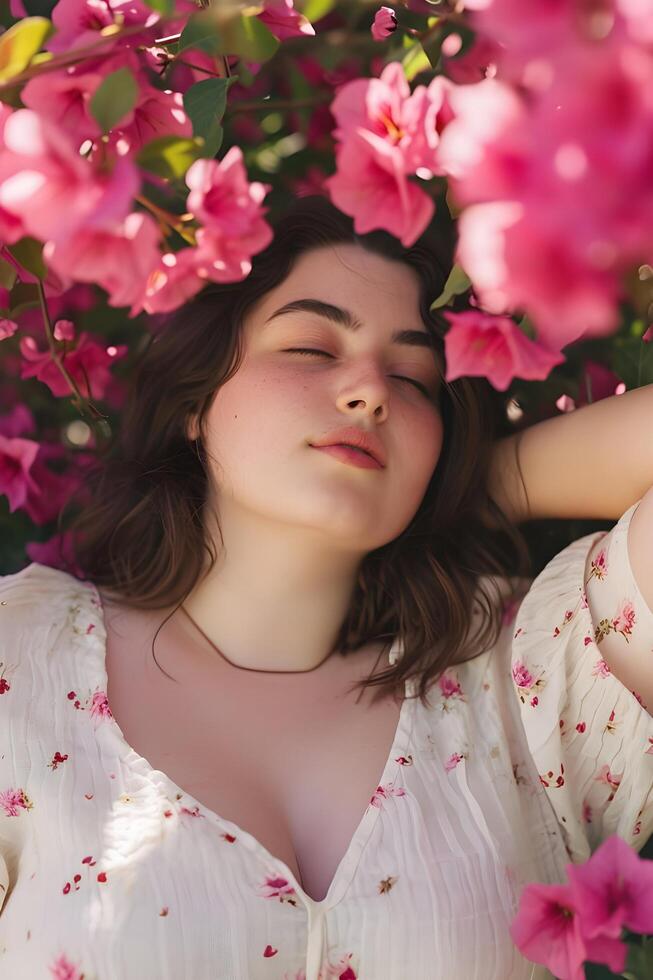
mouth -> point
(351, 455)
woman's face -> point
(262, 421)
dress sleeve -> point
(17, 602)
(590, 736)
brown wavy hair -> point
(142, 537)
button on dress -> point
(527, 758)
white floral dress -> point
(528, 757)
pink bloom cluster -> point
(563, 926)
(386, 136)
(552, 162)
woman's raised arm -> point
(593, 462)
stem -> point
(168, 220)
(258, 106)
(65, 60)
(79, 401)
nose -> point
(368, 394)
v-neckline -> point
(348, 863)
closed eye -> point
(311, 350)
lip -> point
(348, 454)
(358, 438)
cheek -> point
(253, 413)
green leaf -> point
(24, 296)
(314, 10)
(7, 274)
(27, 253)
(114, 98)
(205, 103)
(20, 43)
(457, 283)
(169, 156)
(244, 36)
(415, 61)
(163, 7)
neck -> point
(276, 597)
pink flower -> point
(493, 347)
(282, 20)
(371, 185)
(550, 176)
(16, 459)
(174, 280)
(19, 421)
(224, 201)
(157, 113)
(7, 328)
(54, 191)
(614, 888)
(449, 686)
(14, 800)
(79, 22)
(229, 208)
(64, 969)
(119, 260)
(100, 705)
(88, 364)
(522, 675)
(385, 23)
(624, 620)
(453, 761)
(385, 108)
(63, 97)
(546, 930)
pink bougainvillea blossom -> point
(384, 24)
(546, 930)
(78, 23)
(547, 228)
(119, 260)
(516, 263)
(614, 888)
(88, 364)
(16, 459)
(563, 926)
(495, 348)
(371, 185)
(282, 20)
(57, 552)
(7, 328)
(384, 107)
(225, 202)
(172, 282)
(54, 191)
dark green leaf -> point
(169, 156)
(27, 253)
(114, 98)
(244, 36)
(7, 274)
(24, 296)
(205, 104)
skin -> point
(297, 522)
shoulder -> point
(31, 597)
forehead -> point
(371, 284)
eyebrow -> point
(414, 338)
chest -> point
(293, 761)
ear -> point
(192, 428)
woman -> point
(299, 508)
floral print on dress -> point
(12, 801)
(542, 720)
(579, 697)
